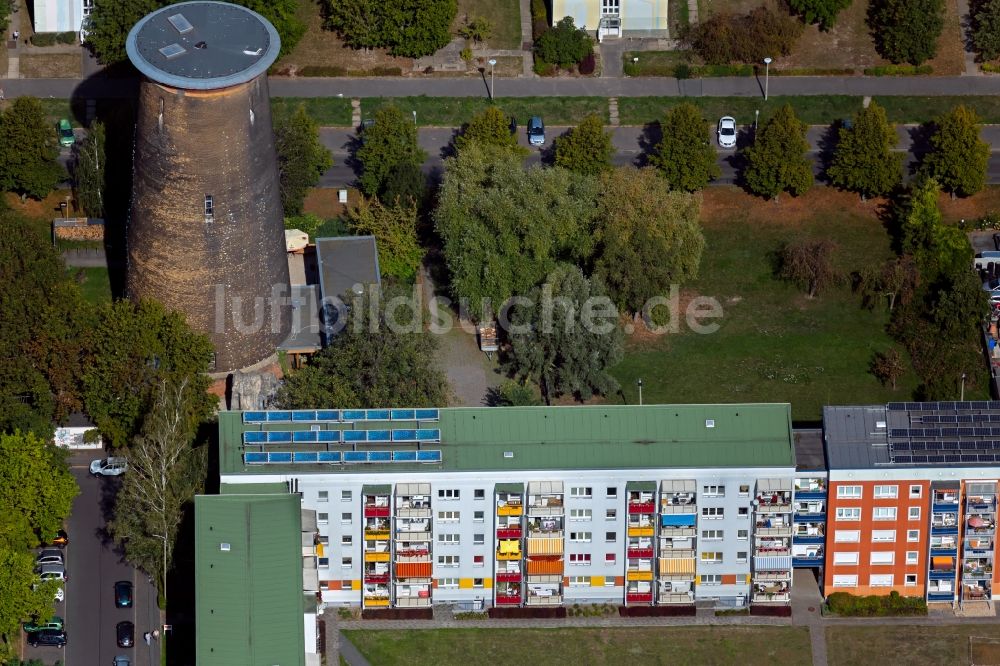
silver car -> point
(49, 556)
(727, 132)
(109, 466)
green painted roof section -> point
(279, 488)
(570, 437)
(640, 487)
(376, 489)
(249, 604)
(513, 488)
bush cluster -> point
(564, 45)
(592, 610)
(337, 70)
(846, 604)
(53, 38)
(727, 38)
(539, 18)
(898, 70)
(472, 615)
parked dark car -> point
(52, 637)
(125, 633)
(123, 594)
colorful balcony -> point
(677, 567)
(509, 550)
(508, 576)
(412, 554)
(640, 531)
(376, 602)
(508, 600)
(545, 546)
(638, 575)
(509, 532)
(414, 569)
(381, 578)
(545, 566)
(638, 597)
(642, 507)
(640, 551)
(374, 511)
(544, 599)
(510, 510)
(373, 556)
(378, 534)
(946, 597)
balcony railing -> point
(638, 597)
(373, 556)
(636, 575)
(942, 574)
(510, 510)
(412, 536)
(781, 597)
(641, 530)
(676, 598)
(382, 533)
(376, 602)
(977, 573)
(508, 600)
(413, 602)
(542, 600)
(382, 578)
(408, 512)
(941, 596)
(373, 511)
(645, 552)
(772, 576)
(642, 507)
(508, 576)
(773, 531)
(509, 532)
(508, 556)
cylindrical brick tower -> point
(205, 233)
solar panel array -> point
(339, 457)
(944, 433)
(397, 436)
(340, 415)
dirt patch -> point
(46, 209)
(639, 335)
(723, 204)
(971, 208)
(984, 651)
(50, 65)
(950, 59)
(325, 201)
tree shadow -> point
(827, 146)
(649, 139)
(547, 154)
(920, 145)
(352, 162)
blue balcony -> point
(944, 551)
(941, 596)
(800, 562)
(820, 539)
(809, 518)
(810, 494)
(944, 531)
(945, 507)
(942, 575)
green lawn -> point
(327, 111)
(660, 645)
(503, 15)
(914, 645)
(96, 284)
(922, 109)
(454, 111)
(773, 344)
(813, 109)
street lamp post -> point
(962, 395)
(756, 117)
(493, 63)
(767, 75)
(639, 383)
(414, 116)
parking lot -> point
(92, 568)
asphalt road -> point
(630, 143)
(93, 566)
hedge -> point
(898, 70)
(842, 603)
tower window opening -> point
(209, 208)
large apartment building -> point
(661, 505)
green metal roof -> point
(249, 604)
(279, 488)
(512, 488)
(376, 489)
(640, 486)
(571, 437)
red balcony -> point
(372, 511)
(508, 532)
(646, 553)
(639, 597)
(508, 576)
(377, 578)
(642, 507)
(504, 600)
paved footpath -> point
(100, 87)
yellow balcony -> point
(638, 575)
(545, 546)
(509, 556)
(377, 557)
(640, 531)
(376, 603)
(510, 510)
(376, 534)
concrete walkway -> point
(965, 30)
(350, 653)
(527, 43)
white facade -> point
(61, 15)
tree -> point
(28, 151)
(164, 474)
(863, 161)
(725, 37)
(896, 280)
(986, 29)
(553, 344)
(823, 12)
(958, 158)
(379, 358)
(564, 45)
(586, 148)
(888, 367)
(937, 248)
(110, 21)
(88, 171)
(514, 394)
(906, 30)
(777, 160)
(6, 8)
(410, 28)
(136, 346)
(405, 183)
(395, 230)
(490, 127)
(302, 157)
(685, 155)
(388, 144)
(504, 228)
(647, 237)
(810, 263)
(478, 29)
(306, 223)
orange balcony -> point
(640, 531)
(540, 567)
(413, 569)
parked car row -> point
(50, 564)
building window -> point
(580, 537)
(478, 539)
(741, 556)
(711, 535)
(323, 496)
(209, 208)
(611, 514)
(346, 562)
(712, 512)
(448, 516)
(847, 536)
(610, 537)
(580, 514)
(345, 518)
(325, 540)
(713, 491)
(609, 558)
(448, 560)
(711, 558)
(883, 535)
(478, 516)
(711, 579)
(910, 580)
(849, 514)
(345, 495)
(912, 535)
(322, 518)
(612, 492)
(579, 558)
(741, 579)
(883, 513)
(886, 492)
(916, 491)
(914, 513)
(88, 7)
(478, 560)
(582, 492)
(347, 540)
(845, 558)
(447, 582)
(609, 581)
(449, 494)
(323, 562)
(912, 557)
(743, 512)
(579, 581)
(883, 557)
(880, 580)
(610, 7)
(842, 580)
(451, 539)
(744, 490)
(479, 493)
(742, 535)
(849, 492)
(477, 582)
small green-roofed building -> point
(250, 603)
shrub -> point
(539, 18)
(564, 45)
(906, 30)
(843, 603)
(43, 39)
(478, 29)
(68, 37)
(322, 70)
(993, 68)
(733, 38)
(543, 68)
(588, 64)
(898, 70)
(682, 71)
(466, 54)
(472, 615)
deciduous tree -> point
(18, 601)
(777, 161)
(863, 161)
(302, 157)
(489, 127)
(586, 148)
(478, 29)
(823, 12)
(557, 342)
(648, 237)
(685, 155)
(958, 158)
(725, 37)
(810, 263)
(564, 45)
(389, 143)
(394, 227)
(937, 248)
(888, 367)
(88, 171)
(986, 29)
(410, 28)
(895, 280)
(906, 30)
(28, 150)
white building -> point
(60, 15)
